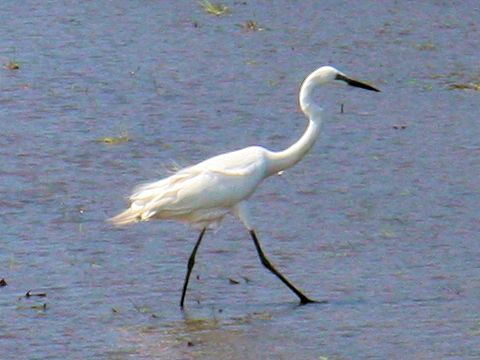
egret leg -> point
(191, 263)
(269, 266)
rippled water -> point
(381, 219)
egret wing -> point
(207, 190)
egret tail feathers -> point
(129, 216)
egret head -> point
(327, 74)
(321, 76)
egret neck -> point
(281, 160)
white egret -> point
(203, 194)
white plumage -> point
(203, 194)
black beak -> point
(355, 83)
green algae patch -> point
(214, 8)
(114, 140)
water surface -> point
(381, 218)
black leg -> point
(269, 266)
(191, 262)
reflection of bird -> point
(204, 193)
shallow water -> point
(381, 219)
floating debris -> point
(30, 294)
(247, 280)
(468, 86)
(428, 46)
(3, 282)
(12, 65)
(122, 138)
(251, 25)
(214, 9)
(261, 315)
(272, 83)
(399, 127)
(388, 234)
(251, 62)
(81, 209)
(233, 281)
(39, 307)
(42, 307)
(142, 309)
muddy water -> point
(381, 219)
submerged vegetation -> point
(459, 80)
(113, 140)
(465, 86)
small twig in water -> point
(30, 294)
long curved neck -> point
(282, 160)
